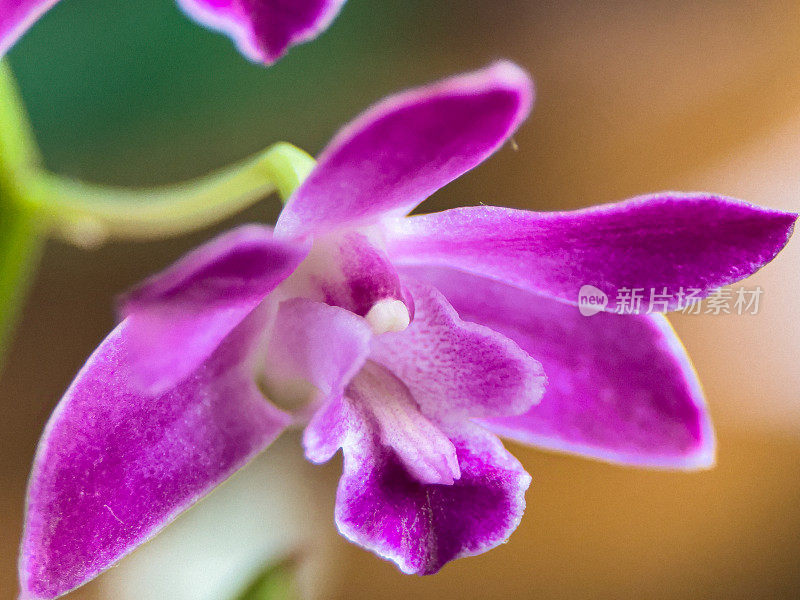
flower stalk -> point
(35, 203)
(21, 241)
(89, 214)
(21, 236)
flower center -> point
(388, 315)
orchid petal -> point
(402, 150)
(262, 29)
(178, 317)
(387, 405)
(17, 16)
(313, 344)
(379, 406)
(456, 369)
(419, 526)
(620, 387)
(265, 29)
(328, 429)
(115, 466)
(664, 244)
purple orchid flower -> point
(262, 29)
(407, 342)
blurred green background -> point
(634, 96)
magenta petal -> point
(114, 466)
(265, 29)
(419, 526)
(328, 428)
(456, 369)
(178, 317)
(394, 416)
(17, 16)
(378, 405)
(405, 148)
(668, 242)
(620, 387)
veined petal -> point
(115, 466)
(405, 148)
(377, 409)
(178, 317)
(313, 344)
(419, 526)
(17, 16)
(388, 408)
(457, 369)
(667, 244)
(265, 29)
(620, 387)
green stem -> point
(18, 150)
(21, 237)
(21, 242)
(88, 214)
(34, 202)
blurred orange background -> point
(633, 97)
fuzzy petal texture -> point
(315, 345)
(666, 243)
(381, 506)
(265, 29)
(17, 16)
(457, 369)
(178, 317)
(114, 466)
(620, 387)
(402, 150)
